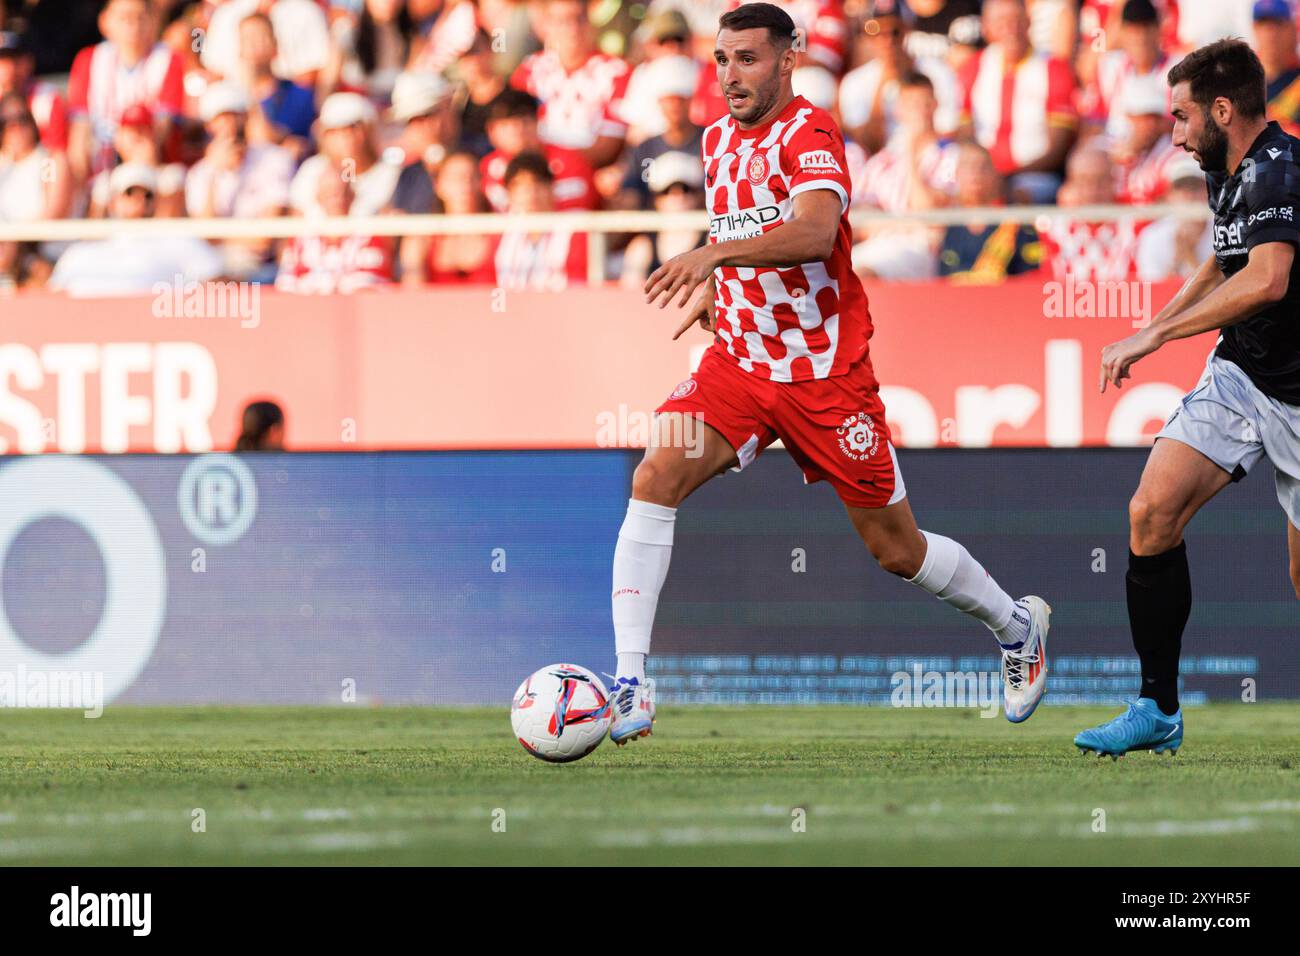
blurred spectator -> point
(668, 65)
(476, 71)
(1053, 27)
(451, 258)
(261, 427)
(325, 265)
(347, 140)
(915, 171)
(1275, 42)
(44, 100)
(676, 183)
(825, 30)
(580, 89)
(447, 29)
(423, 102)
(285, 110)
(549, 260)
(868, 94)
(133, 265)
(370, 51)
(34, 184)
(985, 252)
(1090, 251)
(933, 23)
(1144, 157)
(301, 34)
(965, 40)
(513, 129)
(1173, 246)
(134, 142)
(237, 178)
(671, 83)
(1139, 57)
(1023, 114)
(1204, 21)
(130, 67)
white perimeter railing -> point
(596, 225)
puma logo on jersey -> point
(819, 159)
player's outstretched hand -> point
(701, 311)
(681, 274)
(1118, 357)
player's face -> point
(1196, 131)
(751, 72)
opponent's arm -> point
(809, 236)
(1261, 283)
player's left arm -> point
(1270, 234)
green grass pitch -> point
(718, 785)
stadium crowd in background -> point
(250, 108)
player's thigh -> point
(1293, 552)
(684, 453)
(1176, 483)
(891, 535)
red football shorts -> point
(834, 428)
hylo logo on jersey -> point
(858, 438)
(683, 390)
(819, 159)
(756, 169)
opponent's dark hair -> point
(1227, 68)
(766, 16)
(916, 78)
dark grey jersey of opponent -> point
(1261, 203)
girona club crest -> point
(756, 169)
(682, 390)
(858, 438)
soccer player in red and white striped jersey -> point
(580, 88)
(128, 68)
(789, 361)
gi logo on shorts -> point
(858, 438)
(684, 389)
(756, 169)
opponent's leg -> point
(1177, 481)
(671, 470)
(944, 568)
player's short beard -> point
(1213, 147)
(760, 101)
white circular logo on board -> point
(217, 498)
(109, 511)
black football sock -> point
(1159, 602)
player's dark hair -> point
(916, 78)
(761, 16)
(1227, 68)
(530, 163)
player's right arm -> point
(1207, 277)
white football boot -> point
(1024, 669)
(633, 709)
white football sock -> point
(645, 544)
(632, 666)
(954, 577)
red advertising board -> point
(480, 368)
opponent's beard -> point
(1213, 147)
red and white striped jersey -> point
(544, 261)
(452, 35)
(101, 87)
(574, 187)
(785, 324)
(1090, 251)
(1148, 179)
(576, 107)
(1013, 108)
(316, 265)
(50, 112)
(887, 176)
(1101, 101)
